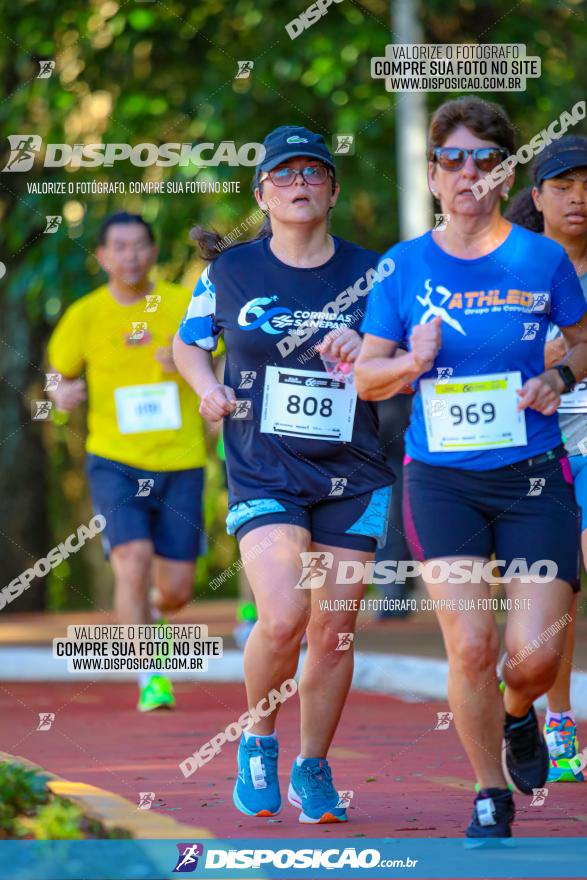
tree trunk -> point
(24, 530)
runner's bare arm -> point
(380, 374)
(164, 356)
(542, 393)
(346, 345)
(68, 393)
(384, 370)
(575, 336)
(195, 365)
(554, 352)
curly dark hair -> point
(524, 212)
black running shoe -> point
(493, 815)
(526, 753)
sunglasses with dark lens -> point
(312, 174)
(454, 158)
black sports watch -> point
(566, 375)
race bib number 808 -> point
(306, 403)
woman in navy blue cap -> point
(309, 489)
(557, 206)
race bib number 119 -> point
(141, 408)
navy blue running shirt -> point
(495, 313)
(272, 314)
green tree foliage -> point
(23, 792)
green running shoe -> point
(563, 747)
(156, 694)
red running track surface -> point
(408, 779)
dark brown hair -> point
(210, 242)
(124, 218)
(484, 118)
(524, 212)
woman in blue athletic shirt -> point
(485, 473)
(309, 489)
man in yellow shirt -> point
(145, 446)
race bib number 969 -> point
(473, 412)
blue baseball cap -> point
(288, 141)
(559, 157)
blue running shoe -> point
(256, 792)
(492, 819)
(311, 791)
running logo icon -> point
(343, 144)
(537, 484)
(243, 411)
(440, 222)
(444, 719)
(345, 641)
(40, 410)
(539, 795)
(53, 223)
(23, 148)
(530, 330)
(247, 379)
(338, 485)
(146, 798)
(438, 408)
(52, 381)
(46, 719)
(434, 302)
(541, 302)
(315, 567)
(145, 486)
(187, 860)
(244, 69)
(153, 300)
(444, 374)
(139, 329)
(46, 68)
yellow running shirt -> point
(138, 414)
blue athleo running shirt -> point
(271, 314)
(495, 314)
